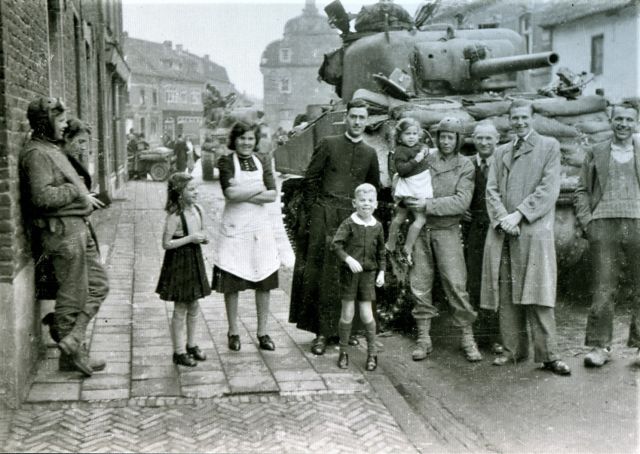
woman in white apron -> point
(245, 249)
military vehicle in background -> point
(404, 68)
(142, 160)
(220, 113)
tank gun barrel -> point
(491, 66)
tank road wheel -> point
(159, 171)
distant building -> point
(290, 67)
(601, 38)
(72, 50)
(521, 16)
(166, 86)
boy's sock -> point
(344, 329)
(370, 334)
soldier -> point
(475, 225)
(338, 165)
(57, 205)
(519, 266)
(608, 209)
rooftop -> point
(565, 11)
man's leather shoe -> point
(597, 357)
(353, 341)
(372, 363)
(507, 359)
(497, 348)
(196, 353)
(266, 343)
(343, 360)
(557, 367)
(319, 345)
(66, 363)
(184, 359)
(234, 342)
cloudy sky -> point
(233, 33)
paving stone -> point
(155, 387)
(298, 386)
(115, 338)
(110, 346)
(114, 367)
(205, 391)
(45, 392)
(146, 372)
(199, 377)
(150, 350)
(55, 376)
(119, 329)
(252, 384)
(296, 375)
(106, 381)
(104, 394)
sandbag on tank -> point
(598, 137)
(551, 127)
(483, 110)
(428, 117)
(572, 154)
(551, 107)
(600, 116)
(592, 127)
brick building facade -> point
(290, 66)
(166, 86)
(70, 49)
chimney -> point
(179, 47)
(168, 44)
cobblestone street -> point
(251, 401)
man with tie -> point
(475, 224)
(519, 266)
(608, 209)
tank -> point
(428, 74)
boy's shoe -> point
(196, 353)
(372, 363)
(508, 359)
(557, 367)
(183, 359)
(343, 360)
(234, 342)
(597, 357)
(319, 345)
(266, 343)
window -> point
(525, 31)
(171, 95)
(183, 96)
(195, 97)
(154, 97)
(143, 124)
(597, 54)
(489, 25)
(285, 85)
(545, 39)
(285, 55)
(143, 99)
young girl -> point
(183, 278)
(414, 180)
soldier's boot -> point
(423, 343)
(66, 364)
(468, 344)
(71, 344)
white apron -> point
(245, 243)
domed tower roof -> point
(310, 22)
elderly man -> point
(608, 209)
(338, 165)
(474, 226)
(439, 242)
(519, 267)
(57, 205)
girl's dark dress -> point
(183, 276)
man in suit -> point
(475, 224)
(56, 208)
(608, 209)
(339, 164)
(519, 266)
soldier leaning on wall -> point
(56, 207)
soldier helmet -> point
(41, 113)
(450, 124)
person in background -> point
(519, 267)
(245, 251)
(475, 224)
(608, 210)
(180, 150)
(56, 210)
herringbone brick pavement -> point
(297, 424)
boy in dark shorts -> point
(359, 242)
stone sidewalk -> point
(288, 400)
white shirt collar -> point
(524, 139)
(353, 139)
(355, 218)
(479, 159)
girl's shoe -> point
(266, 343)
(196, 353)
(183, 359)
(343, 360)
(234, 342)
(372, 363)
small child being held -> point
(414, 181)
(183, 278)
(359, 242)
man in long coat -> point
(339, 164)
(519, 267)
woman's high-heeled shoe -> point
(234, 342)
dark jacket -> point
(405, 163)
(478, 207)
(453, 181)
(362, 242)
